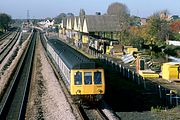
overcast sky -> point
(51, 8)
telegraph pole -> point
(28, 16)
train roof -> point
(71, 57)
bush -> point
(172, 50)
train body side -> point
(80, 81)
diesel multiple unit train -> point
(83, 78)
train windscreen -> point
(87, 78)
(97, 78)
(78, 78)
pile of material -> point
(171, 71)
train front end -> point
(87, 84)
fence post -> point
(112, 63)
(133, 75)
(144, 83)
(160, 94)
(106, 60)
(120, 68)
(177, 98)
(170, 99)
(138, 80)
(123, 72)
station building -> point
(90, 30)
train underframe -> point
(87, 99)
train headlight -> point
(100, 91)
(78, 92)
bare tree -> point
(122, 13)
(118, 9)
(70, 14)
(59, 18)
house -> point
(174, 17)
(47, 23)
(99, 24)
(143, 21)
(76, 29)
(87, 28)
(63, 26)
(70, 26)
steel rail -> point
(5, 36)
(13, 103)
(4, 52)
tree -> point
(5, 20)
(121, 11)
(70, 14)
(59, 18)
(118, 9)
(157, 30)
(175, 26)
(82, 12)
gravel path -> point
(46, 100)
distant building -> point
(174, 17)
(175, 43)
(163, 15)
(47, 23)
(143, 21)
(136, 21)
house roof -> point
(102, 23)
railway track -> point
(13, 103)
(84, 113)
(4, 36)
(5, 50)
(80, 111)
(92, 113)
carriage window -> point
(97, 78)
(78, 78)
(87, 78)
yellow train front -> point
(88, 84)
(83, 78)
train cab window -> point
(78, 78)
(87, 78)
(97, 78)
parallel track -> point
(4, 52)
(5, 36)
(13, 103)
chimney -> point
(98, 13)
